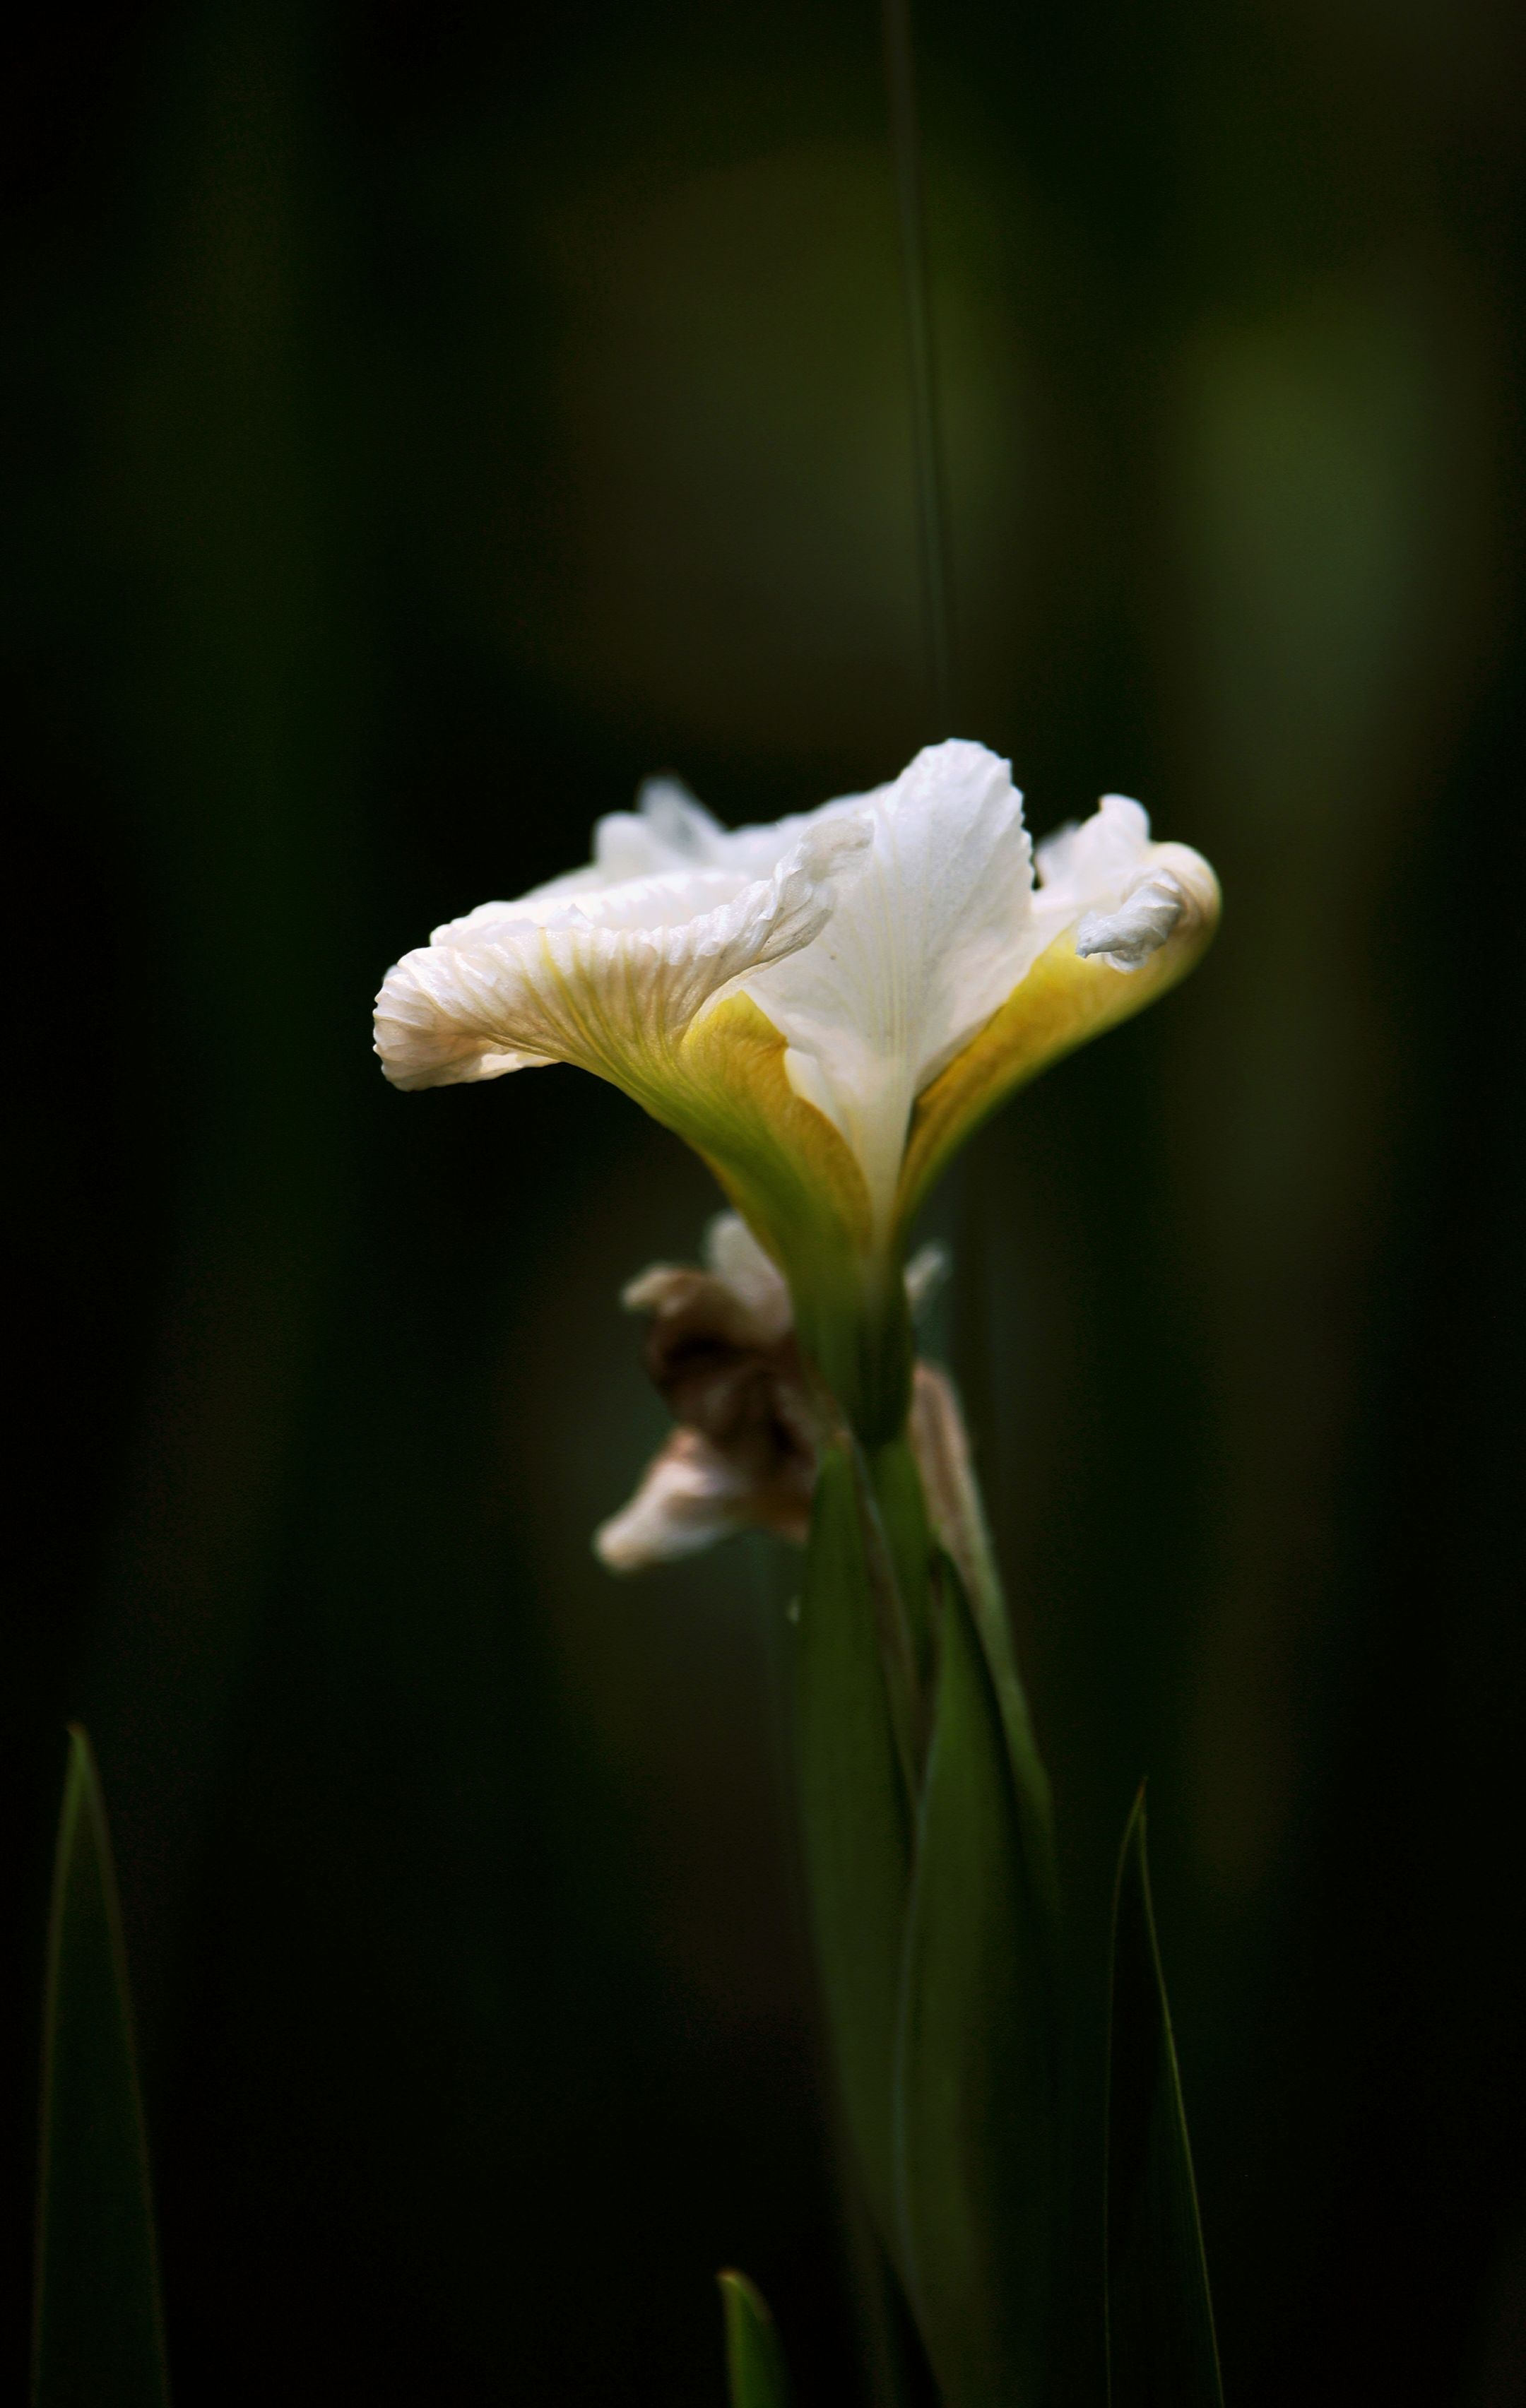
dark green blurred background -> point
(420, 425)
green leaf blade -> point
(1163, 2351)
(977, 2078)
(754, 2363)
(98, 2332)
(855, 1819)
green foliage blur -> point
(422, 423)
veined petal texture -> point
(609, 975)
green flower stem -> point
(856, 1811)
(898, 1593)
(895, 1487)
(929, 1853)
(858, 1332)
(975, 2094)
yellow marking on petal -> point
(790, 1171)
(793, 1176)
(1062, 1002)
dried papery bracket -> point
(750, 1416)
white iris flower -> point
(824, 1008)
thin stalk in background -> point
(926, 435)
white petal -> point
(603, 977)
(670, 822)
(1084, 863)
(689, 1497)
(668, 831)
(925, 944)
(685, 831)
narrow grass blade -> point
(1162, 2349)
(856, 1819)
(754, 2363)
(977, 2080)
(99, 2335)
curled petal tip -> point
(1138, 928)
(433, 1025)
(1174, 895)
